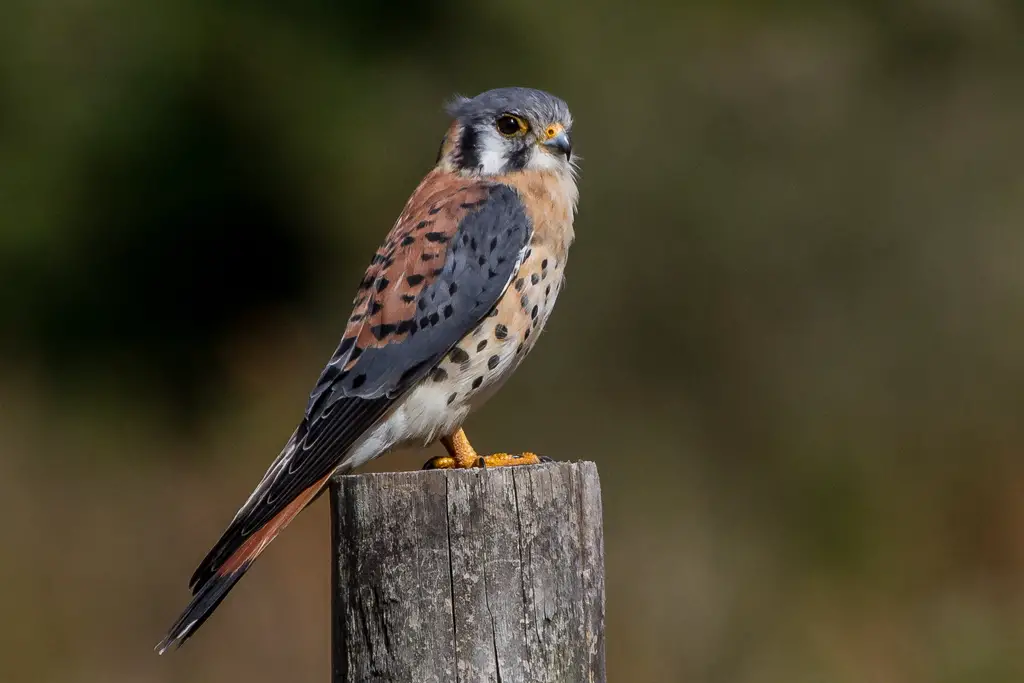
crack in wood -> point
(426, 562)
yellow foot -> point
(447, 462)
(461, 455)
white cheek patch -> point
(492, 154)
(545, 161)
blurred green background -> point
(792, 336)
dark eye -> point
(509, 125)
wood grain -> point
(469, 576)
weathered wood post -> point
(469, 576)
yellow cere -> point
(553, 130)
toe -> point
(441, 462)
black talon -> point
(480, 462)
(544, 458)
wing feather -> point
(442, 268)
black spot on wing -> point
(346, 403)
(453, 299)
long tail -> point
(207, 594)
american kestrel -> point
(450, 305)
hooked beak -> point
(557, 141)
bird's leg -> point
(461, 454)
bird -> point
(451, 303)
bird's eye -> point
(510, 124)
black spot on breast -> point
(527, 254)
(414, 280)
(437, 271)
(481, 261)
(375, 307)
(434, 210)
(519, 284)
(406, 326)
(423, 224)
(424, 322)
(356, 318)
(519, 348)
(533, 313)
(481, 346)
(436, 237)
(382, 284)
(526, 335)
(427, 257)
(494, 243)
(439, 375)
(452, 397)
(494, 312)
(547, 290)
(358, 381)
(458, 355)
(452, 288)
(543, 264)
(434, 318)
(534, 279)
(421, 304)
(524, 301)
(500, 331)
(477, 382)
(408, 298)
(407, 240)
(492, 362)
(472, 243)
(448, 311)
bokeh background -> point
(792, 336)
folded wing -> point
(441, 270)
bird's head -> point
(507, 130)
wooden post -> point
(469, 576)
